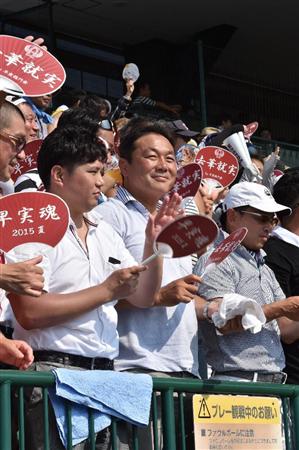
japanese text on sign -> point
(26, 215)
(220, 166)
(236, 422)
(28, 67)
(187, 181)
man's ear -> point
(57, 174)
(231, 216)
(123, 165)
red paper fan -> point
(30, 162)
(250, 129)
(187, 181)
(227, 246)
(218, 164)
(27, 69)
(187, 235)
(28, 217)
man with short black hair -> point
(161, 340)
(74, 323)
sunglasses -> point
(18, 142)
(262, 218)
(106, 124)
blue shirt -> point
(159, 338)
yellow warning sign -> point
(237, 422)
(204, 412)
(236, 409)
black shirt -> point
(283, 258)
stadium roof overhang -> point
(256, 38)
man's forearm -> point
(199, 307)
(53, 309)
(288, 307)
(149, 281)
(24, 278)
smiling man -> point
(161, 340)
(12, 139)
(31, 125)
(86, 274)
(26, 277)
(39, 105)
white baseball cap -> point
(254, 195)
(15, 99)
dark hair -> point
(70, 97)
(138, 127)
(286, 190)
(80, 117)
(74, 96)
(226, 117)
(96, 103)
(223, 216)
(141, 84)
(68, 147)
(7, 112)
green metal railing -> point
(168, 390)
(289, 153)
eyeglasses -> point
(263, 218)
(106, 124)
(18, 142)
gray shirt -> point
(241, 273)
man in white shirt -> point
(74, 323)
(161, 340)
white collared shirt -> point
(162, 339)
(70, 268)
(286, 235)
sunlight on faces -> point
(8, 146)
(42, 102)
(258, 223)
(153, 169)
(31, 123)
(81, 187)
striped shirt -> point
(239, 273)
(146, 101)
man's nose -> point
(162, 163)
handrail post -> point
(295, 407)
(169, 437)
(5, 415)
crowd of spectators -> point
(90, 303)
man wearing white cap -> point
(244, 355)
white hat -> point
(15, 99)
(254, 195)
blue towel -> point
(119, 394)
(42, 115)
